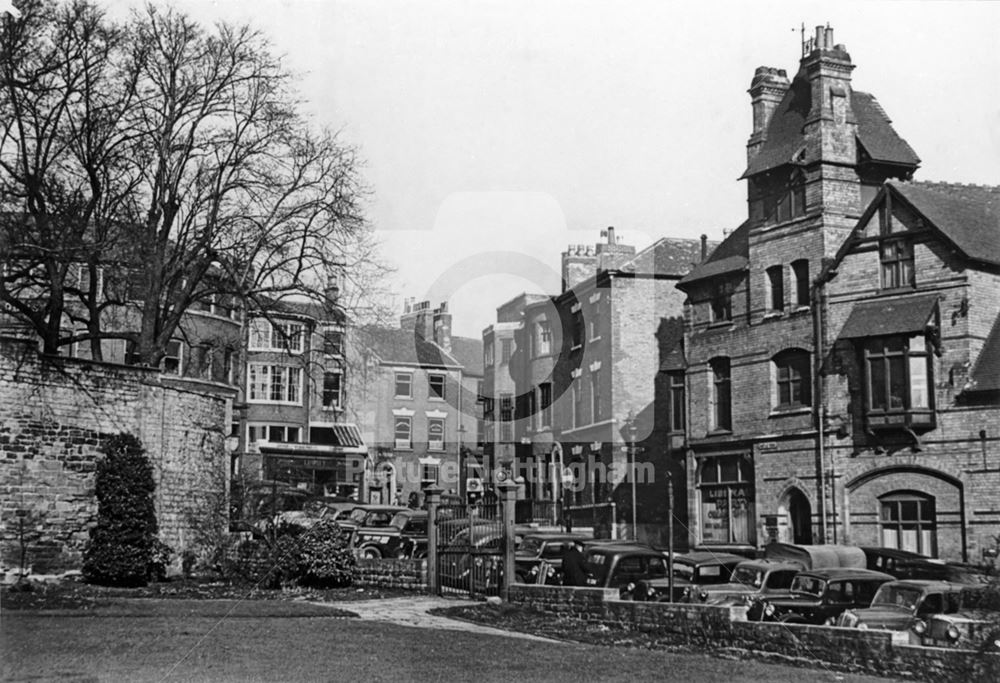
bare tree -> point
(205, 179)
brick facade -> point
(56, 413)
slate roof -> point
(729, 257)
(394, 345)
(784, 139)
(967, 215)
(985, 375)
(889, 316)
(667, 256)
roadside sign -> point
(474, 485)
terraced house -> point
(841, 343)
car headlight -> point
(630, 587)
(650, 591)
(769, 609)
(534, 570)
(830, 621)
(919, 627)
(703, 596)
(953, 633)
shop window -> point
(726, 499)
(908, 522)
(792, 379)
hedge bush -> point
(319, 556)
(124, 549)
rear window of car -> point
(553, 549)
(809, 585)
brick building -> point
(582, 363)
(415, 392)
(782, 463)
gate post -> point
(432, 498)
(508, 495)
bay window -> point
(898, 381)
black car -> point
(820, 596)
(691, 572)
(542, 551)
(622, 566)
(405, 537)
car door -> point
(628, 569)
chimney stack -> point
(704, 248)
(767, 89)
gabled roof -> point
(784, 139)
(967, 215)
(666, 256)
(394, 345)
(729, 257)
(985, 375)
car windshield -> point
(810, 585)
(753, 578)
(897, 596)
(400, 519)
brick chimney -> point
(830, 128)
(767, 89)
(611, 254)
(442, 327)
(578, 263)
(417, 316)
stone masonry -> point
(56, 413)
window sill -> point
(721, 324)
(720, 432)
(799, 310)
(403, 398)
(773, 315)
(790, 411)
(333, 409)
(594, 339)
(576, 347)
(260, 402)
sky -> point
(495, 133)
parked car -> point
(691, 572)
(817, 556)
(539, 557)
(929, 612)
(404, 537)
(622, 566)
(820, 596)
(472, 560)
(368, 516)
(751, 579)
(315, 509)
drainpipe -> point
(818, 301)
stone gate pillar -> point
(508, 496)
(432, 499)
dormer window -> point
(721, 305)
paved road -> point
(395, 641)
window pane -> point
(897, 383)
(877, 384)
(919, 394)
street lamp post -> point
(463, 465)
(630, 429)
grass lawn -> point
(266, 640)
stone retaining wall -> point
(726, 628)
(55, 416)
(403, 574)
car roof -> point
(557, 536)
(846, 573)
(703, 556)
(930, 584)
(623, 549)
(770, 564)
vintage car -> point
(819, 596)
(623, 566)
(904, 564)
(368, 516)
(405, 537)
(692, 571)
(541, 551)
(928, 612)
(751, 579)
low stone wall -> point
(403, 574)
(726, 628)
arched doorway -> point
(800, 517)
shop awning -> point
(326, 440)
(890, 316)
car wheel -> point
(370, 553)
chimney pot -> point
(820, 37)
(704, 247)
(829, 38)
(611, 234)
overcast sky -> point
(496, 133)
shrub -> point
(123, 548)
(319, 556)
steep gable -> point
(730, 256)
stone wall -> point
(403, 574)
(726, 628)
(55, 415)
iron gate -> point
(470, 547)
